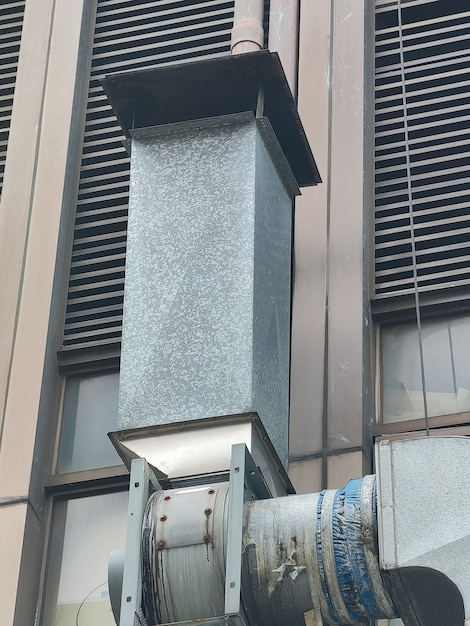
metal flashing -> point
(210, 88)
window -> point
(446, 369)
(422, 208)
(90, 412)
(86, 530)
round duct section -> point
(183, 554)
(307, 559)
(313, 559)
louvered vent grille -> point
(129, 34)
(11, 23)
(436, 40)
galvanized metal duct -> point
(306, 559)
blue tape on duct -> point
(326, 591)
(351, 567)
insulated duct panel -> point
(424, 527)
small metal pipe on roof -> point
(247, 31)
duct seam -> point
(368, 524)
(329, 558)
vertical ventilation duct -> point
(215, 167)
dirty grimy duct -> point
(217, 154)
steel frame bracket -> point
(142, 482)
(246, 483)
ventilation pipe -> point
(303, 557)
(247, 31)
(213, 534)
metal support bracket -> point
(142, 482)
(246, 483)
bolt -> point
(136, 484)
(167, 498)
(207, 512)
(211, 491)
(207, 538)
(163, 518)
(161, 544)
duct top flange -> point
(214, 87)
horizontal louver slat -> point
(436, 51)
(11, 23)
(129, 34)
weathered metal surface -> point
(206, 327)
(141, 480)
(246, 484)
(423, 502)
(203, 447)
(305, 555)
(184, 536)
(213, 87)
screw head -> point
(161, 544)
(207, 512)
(163, 518)
(167, 498)
(207, 537)
(211, 491)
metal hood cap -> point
(210, 88)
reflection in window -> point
(94, 526)
(446, 367)
(90, 412)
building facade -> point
(381, 256)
